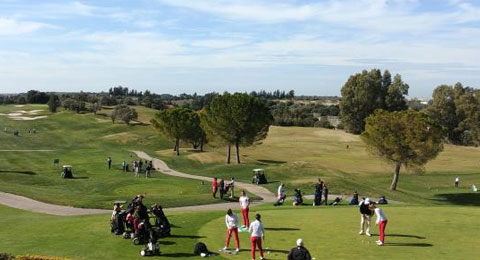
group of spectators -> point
(138, 166)
(223, 187)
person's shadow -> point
(409, 244)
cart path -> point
(24, 203)
(20, 202)
(161, 166)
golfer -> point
(257, 233)
(232, 187)
(457, 180)
(299, 252)
(381, 222)
(365, 217)
(281, 194)
(109, 162)
(231, 220)
(244, 201)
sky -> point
(187, 46)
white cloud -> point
(15, 27)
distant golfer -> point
(231, 220)
(365, 217)
(299, 252)
(381, 222)
(318, 193)
(214, 187)
(457, 180)
(257, 233)
(244, 201)
(109, 162)
(325, 193)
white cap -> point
(367, 201)
(299, 242)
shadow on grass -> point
(182, 236)
(179, 255)
(167, 242)
(463, 199)
(276, 251)
(282, 229)
(20, 172)
(79, 178)
(271, 162)
(409, 244)
(402, 235)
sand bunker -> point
(22, 115)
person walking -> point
(109, 162)
(231, 220)
(381, 222)
(365, 217)
(244, 201)
(257, 234)
(299, 252)
(214, 187)
(325, 193)
(457, 180)
(232, 187)
(221, 188)
(318, 193)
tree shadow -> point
(20, 172)
(463, 199)
(402, 235)
(282, 229)
(271, 162)
(182, 236)
(409, 244)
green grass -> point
(416, 232)
(85, 141)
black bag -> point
(200, 248)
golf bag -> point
(200, 249)
(162, 224)
(118, 224)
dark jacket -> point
(299, 253)
(364, 209)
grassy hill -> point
(85, 141)
(298, 156)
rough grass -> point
(298, 156)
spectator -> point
(325, 193)
(317, 201)
(232, 187)
(109, 162)
(457, 180)
(299, 252)
(280, 195)
(221, 187)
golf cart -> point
(67, 172)
(259, 177)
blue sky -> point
(176, 46)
